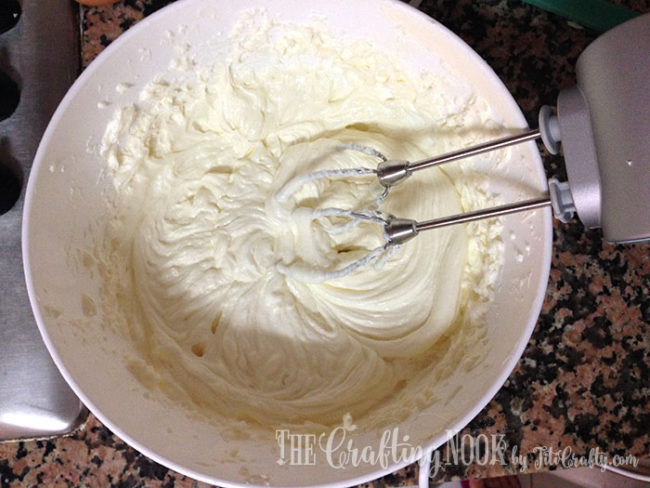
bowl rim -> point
(435, 442)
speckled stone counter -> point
(584, 379)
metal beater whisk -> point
(603, 125)
(390, 172)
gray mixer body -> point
(604, 126)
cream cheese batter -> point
(212, 272)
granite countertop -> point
(584, 379)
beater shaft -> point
(392, 172)
(400, 230)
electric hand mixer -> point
(602, 124)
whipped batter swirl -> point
(210, 266)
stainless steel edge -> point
(42, 54)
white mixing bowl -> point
(65, 200)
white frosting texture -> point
(210, 271)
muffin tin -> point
(39, 59)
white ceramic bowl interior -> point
(64, 202)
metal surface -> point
(392, 172)
(400, 230)
(41, 54)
